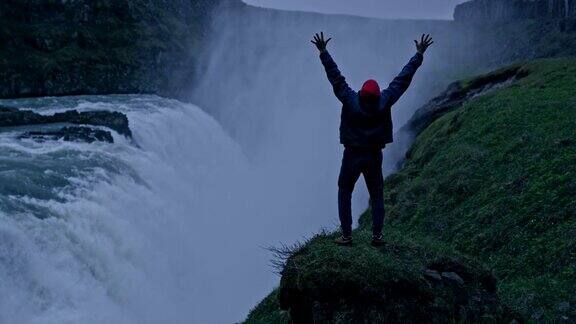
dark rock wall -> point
(505, 31)
(70, 47)
(11, 117)
(62, 47)
(498, 10)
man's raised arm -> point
(341, 89)
(401, 83)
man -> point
(365, 129)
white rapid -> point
(159, 230)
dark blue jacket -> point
(361, 125)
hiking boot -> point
(377, 240)
(344, 240)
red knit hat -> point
(370, 88)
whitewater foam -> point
(120, 232)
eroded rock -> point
(71, 134)
(453, 277)
(360, 287)
(10, 117)
(500, 10)
(432, 275)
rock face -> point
(450, 299)
(10, 117)
(452, 98)
(401, 282)
(71, 134)
(458, 93)
(63, 47)
(499, 10)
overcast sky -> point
(431, 9)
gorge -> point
(232, 149)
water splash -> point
(114, 232)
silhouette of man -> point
(365, 129)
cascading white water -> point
(126, 233)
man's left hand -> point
(320, 42)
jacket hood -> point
(370, 96)
(370, 88)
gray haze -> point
(263, 82)
(413, 9)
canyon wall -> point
(498, 10)
(58, 47)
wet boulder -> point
(10, 117)
(404, 281)
(71, 134)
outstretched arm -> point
(401, 83)
(341, 89)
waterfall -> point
(171, 227)
(126, 233)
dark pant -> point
(368, 162)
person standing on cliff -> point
(365, 129)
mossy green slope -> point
(406, 280)
(496, 179)
(269, 311)
(493, 180)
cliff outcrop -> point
(63, 47)
(499, 10)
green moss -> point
(364, 284)
(495, 179)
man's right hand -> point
(320, 42)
